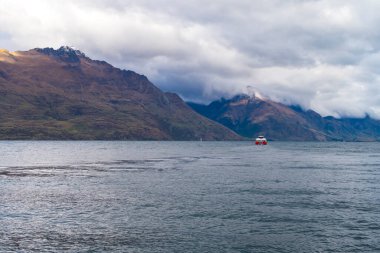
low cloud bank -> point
(322, 55)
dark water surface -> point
(189, 197)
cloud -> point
(323, 55)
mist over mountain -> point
(63, 94)
(251, 116)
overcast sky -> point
(322, 55)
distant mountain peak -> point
(251, 116)
(64, 53)
(73, 50)
(242, 98)
(239, 97)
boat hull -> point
(261, 140)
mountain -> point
(253, 116)
(63, 94)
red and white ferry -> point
(261, 140)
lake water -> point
(189, 197)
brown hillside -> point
(62, 94)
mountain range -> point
(63, 94)
(250, 116)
